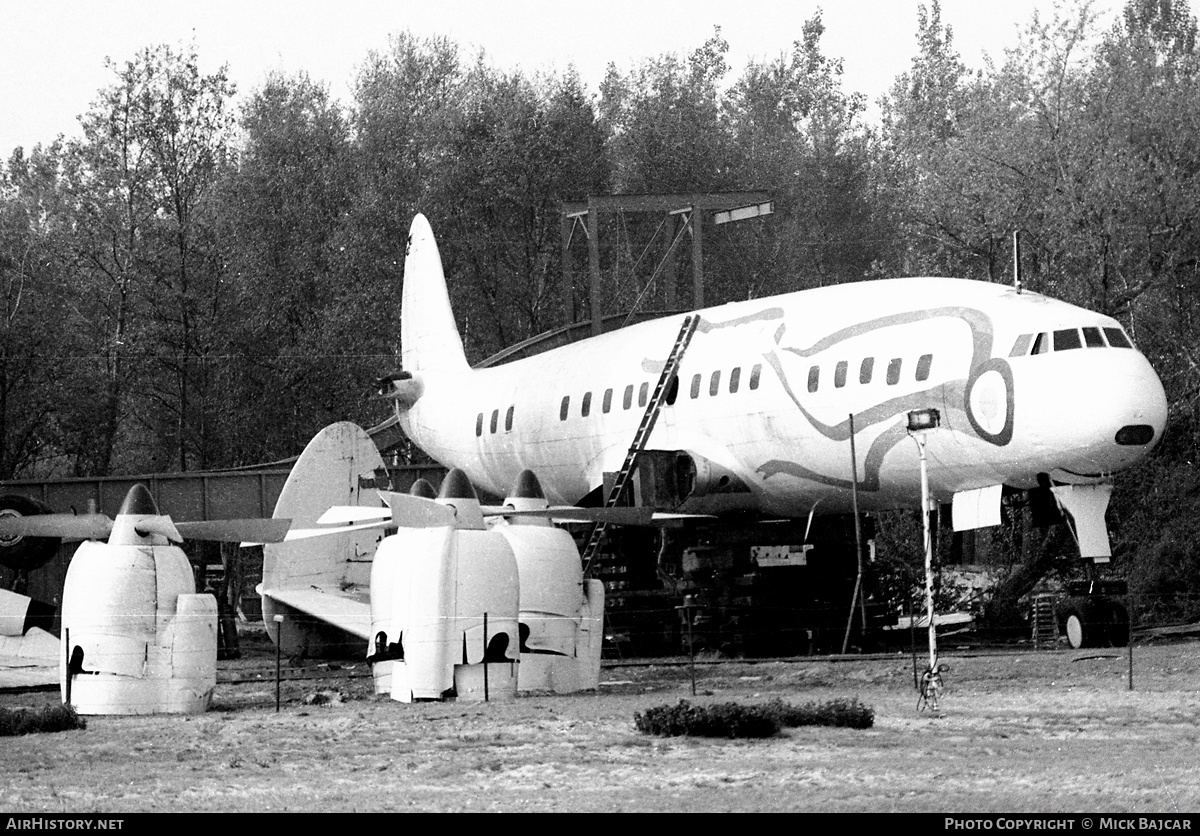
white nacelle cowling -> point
(453, 609)
(137, 638)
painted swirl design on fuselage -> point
(955, 394)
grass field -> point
(1049, 731)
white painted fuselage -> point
(1025, 385)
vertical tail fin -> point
(429, 339)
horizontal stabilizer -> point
(346, 612)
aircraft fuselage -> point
(1025, 385)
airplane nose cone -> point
(1144, 408)
(1119, 419)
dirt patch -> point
(1050, 731)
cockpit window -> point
(1021, 346)
(1117, 338)
(1067, 338)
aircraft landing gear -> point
(1094, 620)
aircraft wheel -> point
(1076, 630)
(1096, 623)
(1083, 624)
(18, 551)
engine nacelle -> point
(669, 478)
(450, 626)
(137, 638)
(706, 477)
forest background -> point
(192, 284)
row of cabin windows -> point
(643, 392)
(1066, 339)
(735, 381)
(866, 371)
(1061, 340)
(494, 424)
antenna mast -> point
(1017, 259)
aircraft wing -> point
(345, 610)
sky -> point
(52, 52)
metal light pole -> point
(920, 422)
(920, 437)
(278, 643)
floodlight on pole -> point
(920, 422)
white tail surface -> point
(429, 338)
(320, 576)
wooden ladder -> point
(669, 374)
(1045, 625)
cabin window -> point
(1067, 338)
(924, 364)
(1020, 347)
(508, 416)
(714, 383)
(673, 391)
(643, 394)
(839, 373)
(479, 425)
(814, 378)
(607, 406)
(695, 386)
(735, 379)
(495, 420)
(893, 372)
(1092, 338)
(1041, 344)
(1117, 338)
(562, 410)
(586, 409)
(865, 370)
(755, 374)
(628, 402)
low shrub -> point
(734, 720)
(846, 713)
(51, 718)
(721, 720)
